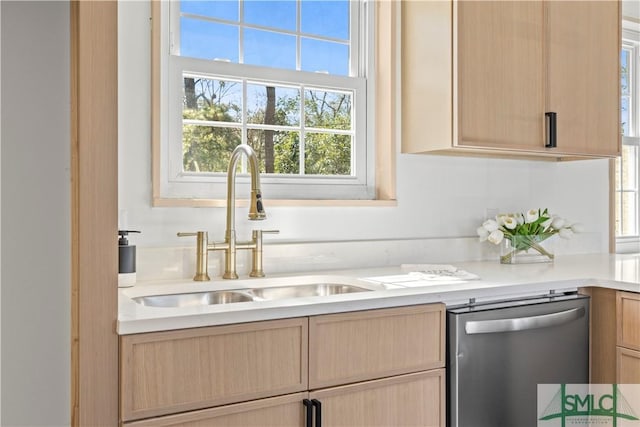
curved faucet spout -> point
(256, 209)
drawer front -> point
(168, 372)
(628, 307)
(406, 400)
(351, 347)
(283, 411)
(628, 366)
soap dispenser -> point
(126, 260)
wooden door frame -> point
(94, 207)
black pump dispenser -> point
(126, 259)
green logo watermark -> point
(588, 405)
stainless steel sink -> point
(247, 295)
(193, 299)
(299, 291)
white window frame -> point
(631, 41)
(178, 184)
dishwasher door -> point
(498, 353)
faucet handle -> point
(257, 251)
(201, 254)
(189, 234)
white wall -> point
(438, 197)
(35, 271)
(631, 8)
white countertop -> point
(567, 273)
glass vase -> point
(526, 249)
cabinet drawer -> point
(628, 307)
(168, 372)
(351, 347)
(283, 411)
(628, 366)
(406, 400)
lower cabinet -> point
(405, 400)
(282, 411)
(369, 368)
(628, 366)
(615, 336)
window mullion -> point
(241, 32)
(301, 149)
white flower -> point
(510, 223)
(500, 218)
(496, 237)
(565, 233)
(531, 215)
(558, 223)
(483, 233)
(577, 228)
(490, 225)
(519, 218)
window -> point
(627, 178)
(289, 78)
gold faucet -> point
(230, 245)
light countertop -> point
(567, 273)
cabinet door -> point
(406, 400)
(500, 66)
(583, 81)
(284, 411)
(628, 308)
(628, 366)
(350, 347)
(168, 372)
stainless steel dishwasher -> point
(499, 352)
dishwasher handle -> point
(523, 323)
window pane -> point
(276, 14)
(326, 18)
(618, 214)
(269, 49)
(212, 100)
(629, 214)
(629, 167)
(208, 149)
(624, 71)
(208, 40)
(223, 9)
(278, 152)
(330, 110)
(273, 105)
(325, 57)
(625, 115)
(327, 154)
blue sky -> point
(209, 40)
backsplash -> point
(281, 258)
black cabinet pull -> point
(552, 134)
(309, 412)
(318, 407)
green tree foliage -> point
(207, 148)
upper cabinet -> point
(511, 78)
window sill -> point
(219, 203)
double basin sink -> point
(247, 295)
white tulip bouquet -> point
(526, 231)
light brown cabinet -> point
(167, 372)
(405, 400)
(259, 373)
(281, 411)
(628, 338)
(615, 336)
(483, 75)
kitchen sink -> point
(193, 299)
(247, 295)
(300, 291)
